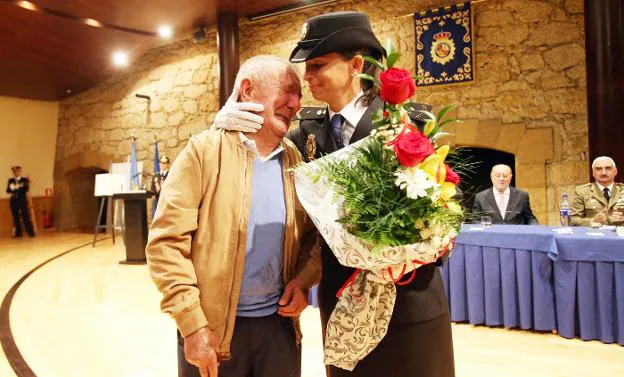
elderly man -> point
(505, 204)
(602, 201)
(231, 248)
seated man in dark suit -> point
(505, 204)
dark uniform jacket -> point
(20, 188)
(421, 300)
(160, 179)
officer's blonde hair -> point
(603, 158)
(261, 67)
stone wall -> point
(95, 127)
(530, 88)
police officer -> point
(18, 187)
(419, 341)
(159, 179)
(602, 201)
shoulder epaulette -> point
(584, 185)
(311, 113)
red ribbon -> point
(398, 281)
(349, 283)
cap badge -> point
(304, 31)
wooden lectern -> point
(135, 219)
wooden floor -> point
(84, 314)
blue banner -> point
(156, 160)
(444, 53)
(156, 177)
(134, 170)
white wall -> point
(28, 138)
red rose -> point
(412, 148)
(451, 176)
(397, 85)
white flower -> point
(415, 182)
(436, 229)
(436, 242)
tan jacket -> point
(589, 201)
(197, 241)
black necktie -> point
(605, 191)
(336, 128)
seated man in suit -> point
(505, 204)
(602, 201)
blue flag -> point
(444, 53)
(156, 175)
(134, 170)
(156, 160)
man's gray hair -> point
(603, 158)
(260, 67)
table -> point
(533, 278)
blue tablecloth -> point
(532, 278)
(589, 286)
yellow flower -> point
(454, 206)
(429, 127)
(447, 191)
(434, 167)
(443, 151)
(419, 224)
(425, 233)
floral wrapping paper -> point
(361, 317)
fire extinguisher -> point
(47, 219)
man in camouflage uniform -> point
(602, 201)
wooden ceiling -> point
(47, 57)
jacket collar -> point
(512, 197)
(250, 144)
(365, 126)
(353, 111)
(598, 194)
(490, 197)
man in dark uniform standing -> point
(18, 187)
(159, 179)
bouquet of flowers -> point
(385, 207)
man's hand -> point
(238, 116)
(617, 216)
(157, 187)
(294, 299)
(200, 349)
(601, 218)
